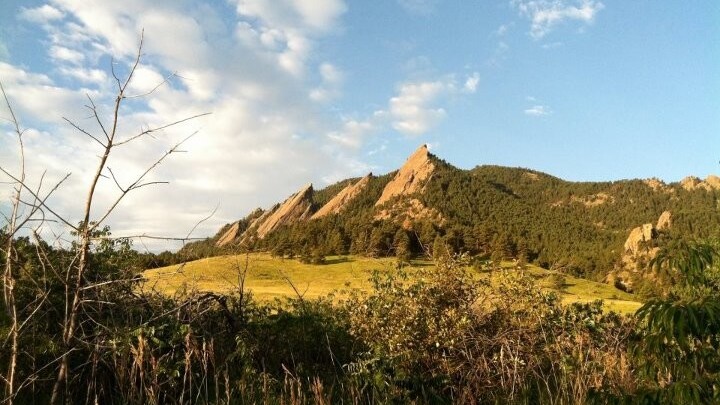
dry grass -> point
(269, 278)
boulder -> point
(664, 222)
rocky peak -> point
(411, 177)
(690, 183)
(338, 203)
(295, 208)
(658, 185)
(710, 183)
(713, 181)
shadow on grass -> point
(337, 259)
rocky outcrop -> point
(639, 250)
(340, 201)
(638, 236)
(593, 200)
(690, 183)
(411, 177)
(710, 183)
(664, 222)
(229, 235)
(658, 185)
(407, 211)
(296, 208)
(713, 181)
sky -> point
(303, 91)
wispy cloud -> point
(414, 110)
(544, 15)
(331, 79)
(42, 14)
(538, 111)
(471, 83)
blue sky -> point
(316, 91)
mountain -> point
(492, 212)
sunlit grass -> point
(268, 278)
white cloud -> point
(95, 77)
(544, 15)
(63, 54)
(353, 132)
(503, 29)
(538, 111)
(42, 14)
(412, 110)
(332, 79)
(254, 85)
(471, 83)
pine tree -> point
(401, 244)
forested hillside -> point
(491, 212)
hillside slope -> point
(431, 207)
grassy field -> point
(269, 278)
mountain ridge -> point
(489, 211)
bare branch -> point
(151, 130)
(115, 179)
(203, 220)
(93, 108)
(166, 80)
(42, 200)
(83, 131)
(137, 183)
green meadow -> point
(269, 278)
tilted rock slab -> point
(411, 177)
(296, 208)
(341, 200)
(229, 235)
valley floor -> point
(269, 278)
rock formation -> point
(638, 252)
(338, 203)
(229, 235)
(295, 208)
(406, 211)
(411, 177)
(639, 235)
(710, 183)
(664, 222)
(593, 200)
(658, 185)
(713, 181)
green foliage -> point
(446, 337)
(556, 281)
(678, 343)
(424, 335)
(501, 213)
